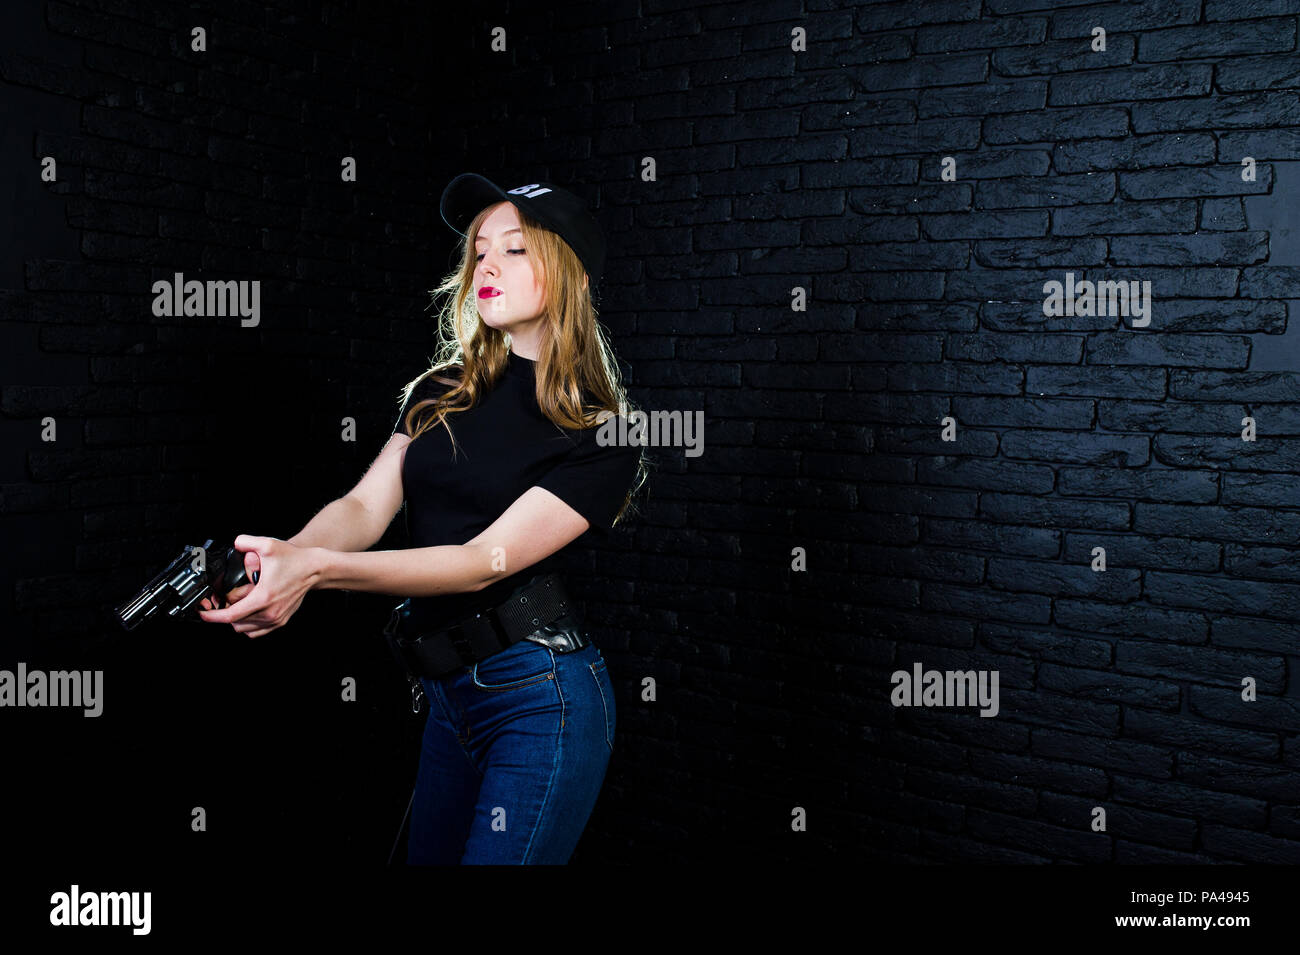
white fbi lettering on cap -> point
(526, 191)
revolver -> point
(196, 573)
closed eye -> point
(520, 251)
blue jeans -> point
(513, 757)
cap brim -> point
(465, 197)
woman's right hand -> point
(251, 564)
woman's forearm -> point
(342, 524)
(414, 572)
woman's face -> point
(508, 296)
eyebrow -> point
(479, 238)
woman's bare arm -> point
(358, 519)
(535, 526)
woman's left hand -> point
(288, 572)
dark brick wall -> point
(775, 169)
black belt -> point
(475, 637)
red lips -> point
(488, 291)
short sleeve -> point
(398, 427)
(593, 479)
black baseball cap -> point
(553, 206)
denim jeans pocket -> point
(601, 676)
(523, 664)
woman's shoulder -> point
(437, 380)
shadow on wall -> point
(1279, 215)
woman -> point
(501, 458)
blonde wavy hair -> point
(578, 380)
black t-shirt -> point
(504, 446)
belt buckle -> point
(417, 695)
